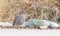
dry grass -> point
(43, 9)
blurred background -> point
(42, 9)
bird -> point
(20, 19)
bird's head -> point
(22, 12)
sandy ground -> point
(29, 32)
